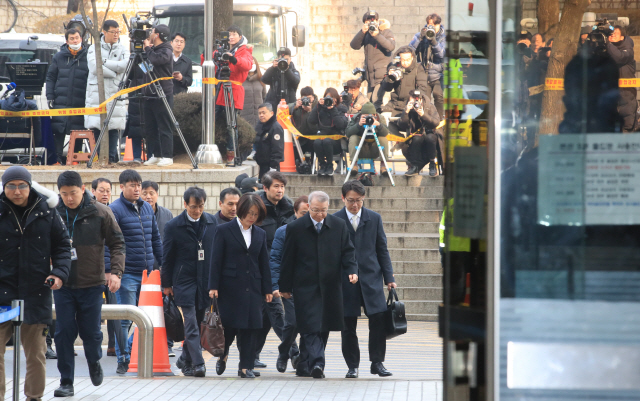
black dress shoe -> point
(302, 373)
(199, 370)
(248, 375)
(281, 363)
(379, 369)
(181, 363)
(317, 372)
(96, 374)
(352, 374)
(187, 370)
(65, 390)
(294, 361)
(221, 365)
(258, 364)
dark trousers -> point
(58, 139)
(78, 311)
(325, 149)
(273, 315)
(246, 339)
(375, 95)
(114, 135)
(377, 340)
(264, 169)
(312, 346)
(221, 115)
(191, 346)
(289, 330)
(111, 299)
(158, 127)
(435, 88)
(420, 150)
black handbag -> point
(395, 319)
(173, 319)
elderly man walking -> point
(317, 252)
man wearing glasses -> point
(143, 244)
(374, 268)
(115, 58)
(317, 253)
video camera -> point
(416, 99)
(396, 71)
(428, 32)
(221, 56)
(599, 37)
(140, 28)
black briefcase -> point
(395, 319)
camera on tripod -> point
(396, 71)
(429, 32)
(140, 28)
(599, 36)
(369, 119)
(221, 56)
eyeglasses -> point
(319, 211)
(13, 187)
(114, 32)
(355, 201)
(196, 207)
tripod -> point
(140, 57)
(232, 122)
(368, 130)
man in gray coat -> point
(374, 267)
(115, 58)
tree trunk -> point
(548, 15)
(564, 48)
(222, 16)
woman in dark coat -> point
(240, 278)
(254, 94)
(329, 120)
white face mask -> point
(76, 47)
(253, 67)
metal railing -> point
(145, 333)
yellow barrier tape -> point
(80, 111)
(629, 83)
(214, 81)
(554, 84)
(466, 101)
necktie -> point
(319, 227)
(354, 223)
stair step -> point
(410, 227)
(418, 280)
(417, 293)
(294, 191)
(411, 241)
(417, 267)
(338, 180)
(422, 317)
(421, 306)
(415, 255)
(424, 216)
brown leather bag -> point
(211, 330)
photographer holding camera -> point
(283, 79)
(420, 117)
(378, 42)
(355, 130)
(299, 111)
(157, 122)
(620, 49)
(329, 118)
(355, 99)
(430, 44)
(404, 76)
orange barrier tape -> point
(214, 81)
(79, 111)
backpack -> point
(366, 179)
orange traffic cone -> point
(128, 152)
(289, 163)
(151, 303)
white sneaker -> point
(250, 157)
(165, 161)
(152, 161)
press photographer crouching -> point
(329, 119)
(355, 130)
(157, 121)
(403, 77)
(420, 117)
(299, 111)
(352, 97)
(269, 142)
(283, 79)
(430, 45)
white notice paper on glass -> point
(589, 179)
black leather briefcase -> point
(395, 317)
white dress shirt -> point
(245, 233)
(315, 223)
(350, 216)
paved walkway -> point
(415, 360)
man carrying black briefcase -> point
(374, 268)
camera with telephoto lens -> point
(140, 28)
(221, 56)
(371, 20)
(598, 38)
(429, 32)
(416, 99)
(345, 95)
(328, 101)
(396, 70)
(283, 65)
(369, 119)
(305, 101)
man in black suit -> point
(182, 65)
(317, 253)
(374, 266)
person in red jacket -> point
(240, 62)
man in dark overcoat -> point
(317, 252)
(374, 267)
(187, 241)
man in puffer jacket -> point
(67, 86)
(115, 58)
(378, 46)
(142, 240)
(620, 49)
(431, 54)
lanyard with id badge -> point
(200, 249)
(74, 254)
